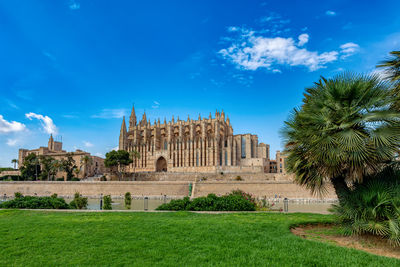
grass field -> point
(39, 238)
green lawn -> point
(39, 238)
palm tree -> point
(392, 70)
(344, 130)
(87, 161)
(15, 162)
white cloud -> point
(276, 71)
(330, 13)
(99, 155)
(12, 142)
(251, 52)
(8, 127)
(155, 104)
(349, 49)
(87, 144)
(47, 123)
(73, 5)
(303, 39)
(110, 114)
(115, 148)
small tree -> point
(79, 202)
(128, 200)
(107, 202)
(68, 165)
(86, 162)
(117, 160)
(15, 162)
(30, 169)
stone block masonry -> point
(175, 189)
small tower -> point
(143, 122)
(132, 119)
(223, 115)
(51, 143)
(122, 135)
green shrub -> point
(75, 179)
(107, 203)
(128, 200)
(230, 202)
(78, 202)
(373, 207)
(238, 178)
(34, 202)
(60, 179)
(18, 195)
(103, 178)
(175, 204)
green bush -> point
(60, 179)
(230, 202)
(75, 179)
(175, 204)
(34, 202)
(373, 207)
(18, 195)
(107, 203)
(128, 200)
(78, 202)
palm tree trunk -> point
(341, 187)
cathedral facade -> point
(202, 145)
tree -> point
(15, 162)
(48, 165)
(117, 160)
(344, 131)
(30, 169)
(391, 68)
(68, 165)
(87, 162)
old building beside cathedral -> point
(202, 145)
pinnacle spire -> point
(132, 119)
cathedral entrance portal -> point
(161, 165)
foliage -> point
(392, 72)
(75, 179)
(30, 168)
(50, 166)
(238, 178)
(68, 165)
(15, 162)
(10, 178)
(107, 202)
(34, 202)
(117, 160)
(373, 207)
(6, 169)
(78, 202)
(246, 239)
(235, 201)
(128, 200)
(60, 179)
(18, 195)
(103, 178)
(87, 162)
(344, 131)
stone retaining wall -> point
(154, 189)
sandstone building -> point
(203, 145)
(54, 150)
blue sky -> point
(74, 68)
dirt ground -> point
(330, 234)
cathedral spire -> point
(223, 115)
(122, 135)
(188, 118)
(143, 122)
(227, 120)
(210, 116)
(132, 119)
(199, 117)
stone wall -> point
(216, 176)
(269, 189)
(154, 189)
(94, 189)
